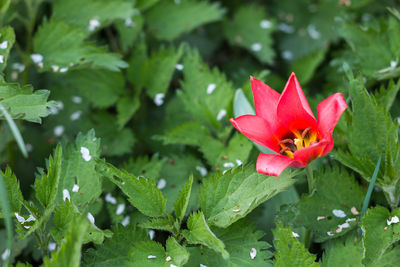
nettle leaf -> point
(145, 4)
(305, 66)
(7, 39)
(63, 45)
(182, 202)
(158, 224)
(115, 250)
(11, 184)
(330, 213)
(126, 108)
(167, 20)
(379, 233)
(385, 97)
(142, 193)
(240, 240)
(337, 252)
(226, 198)
(101, 87)
(79, 177)
(251, 30)
(24, 103)
(179, 254)
(129, 30)
(143, 166)
(290, 251)
(200, 233)
(206, 94)
(70, 252)
(94, 10)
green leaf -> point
(143, 166)
(129, 30)
(126, 108)
(142, 193)
(158, 224)
(305, 66)
(290, 251)
(179, 255)
(188, 133)
(115, 251)
(378, 234)
(168, 20)
(251, 30)
(240, 239)
(385, 97)
(70, 252)
(98, 10)
(7, 39)
(226, 198)
(200, 233)
(11, 185)
(24, 103)
(323, 211)
(182, 202)
(15, 132)
(346, 253)
(62, 45)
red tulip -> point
(285, 124)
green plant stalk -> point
(311, 188)
(7, 217)
(371, 186)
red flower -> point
(285, 123)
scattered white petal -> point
(221, 114)
(76, 99)
(120, 209)
(168, 258)
(236, 210)
(93, 24)
(85, 154)
(66, 195)
(151, 257)
(4, 45)
(5, 254)
(345, 225)
(27, 226)
(110, 199)
(393, 64)
(203, 171)
(52, 246)
(28, 147)
(265, 24)
(65, 69)
(129, 22)
(394, 219)
(40, 64)
(350, 220)
(126, 221)
(179, 66)
(229, 165)
(339, 213)
(172, 265)
(320, 218)
(159, 99)
(37, 58)
(256, 47)
(202, 265)
(55, 68)
(76, 115)
(210, 88)
(312, 32)
(239, 162)
(294, 234)
(223, 172)
(329, 233)
(30, 218)
(14, 75)
(161, 183)
(1, 59)
(151, 234)
(59, 105)
(253, 253)
(354, 211)
(288, 55)
(18, 66)
(338, 230)
(312, 8)
(58, 130)
(75, 188)
(286, 28)
(19, 218)
(90, 218)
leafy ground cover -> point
(116, 147)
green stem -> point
(371, 186)
(311, 188)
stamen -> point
(284, 141)
(298, 143)
(313, 142)
(284, 150)
(305, 132)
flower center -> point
(297, 140)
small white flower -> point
(253, 253)
(58, 130)
(120, 209)
(394, 219)
(210, 88)
(85, 154)
(4, 45)
(179, 66)
(75, 188)
(37, 58)
(339, 213)
(51, 246)
(66, 195)
(126, 221)
(90, 218)
(221, 114)
(203, 171)
(265, 24)
(161, 183)
(256, 47)
(93, 24)
(76, 115)
(76, 99)
(5, 254)
(110, 199)
(159, 99)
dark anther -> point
(284, 150)
(284, 141)
(305, 132)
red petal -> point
(271, 164)
(265, 101)
(257, 129)
(293, 109)
(329, 112)
(308, 154)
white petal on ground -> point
(85, 153)
(339, 213)
(253, 253)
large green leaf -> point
(11, 184)
(7, 39)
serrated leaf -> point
(385, 97)
(126, 108)
(115, 251)
(305, 66)
(24, 103)
(141, 192)
(179, 255)
(337, 253)
(320, 211)
(129, 30)
(200, 233)
(251, 30)
(167, 20)
(226, 198)
(189, 133)
(290, 251)
(7, 39)
(239, 238)
(182, 202)
(70, 252)
(11, 184)
(146, 167)
(378, 234)
(63, 45)
(158, 224)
